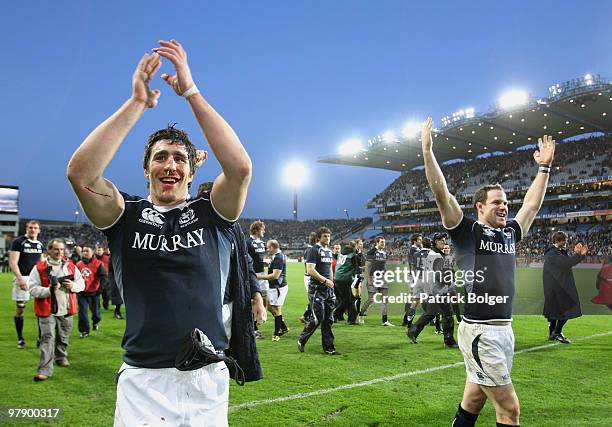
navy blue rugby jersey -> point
(487, 256)
(257, 250)
(172, 267)
(322, 258)
(29, 253)
(378, 259)
(278, 262)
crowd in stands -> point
(574, 160)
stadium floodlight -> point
(294, 175)
(513, 98)
(588, 79)
(411, 129)
(351, 146)
(389, 136)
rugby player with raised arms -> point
(487, 245)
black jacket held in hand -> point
(561, 300)
(243, 285)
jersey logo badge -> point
(508, 234)
(86, 272)
(187, 218)
(152, 217)
(488, 232)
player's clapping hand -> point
(146, 69)
(172, 50)
(426, 134)
(546, 150)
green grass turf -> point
(563, 385)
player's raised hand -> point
(426, 134)
(172, 50)
(146, 69)
(546, 150)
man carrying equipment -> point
(180, 263)
(487, 248)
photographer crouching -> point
(54, 284)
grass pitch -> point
(386, 381)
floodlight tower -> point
(294, 175)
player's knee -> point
(474, 403)
(511, 410)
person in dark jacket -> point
(561, 301)
(347, 268)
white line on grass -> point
(389, 378)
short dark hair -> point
(176, 136)
(427, 242)
(321, 231)
(205, 187)
(89, 245)
(378, 239)
(559, 236)
(415, 237)
(480, 196)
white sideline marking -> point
(389, 378)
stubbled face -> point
(562, 243)
(336, 249)
(380, 244)
(494, 212)
(32, 231)
(99, 251)
(57, 251)
(446, 250)
(168, 173)
(325, 238)
(87, 253)
(440, 243)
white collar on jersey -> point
(488, 226)
(168, 208)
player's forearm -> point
(97, 150)
(15, 269)
(223, 141)
(534, 197)
(435, 178)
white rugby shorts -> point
(276, 296)
(487, 351)
(18, 293)
(169, 397)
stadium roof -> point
(576, 107)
